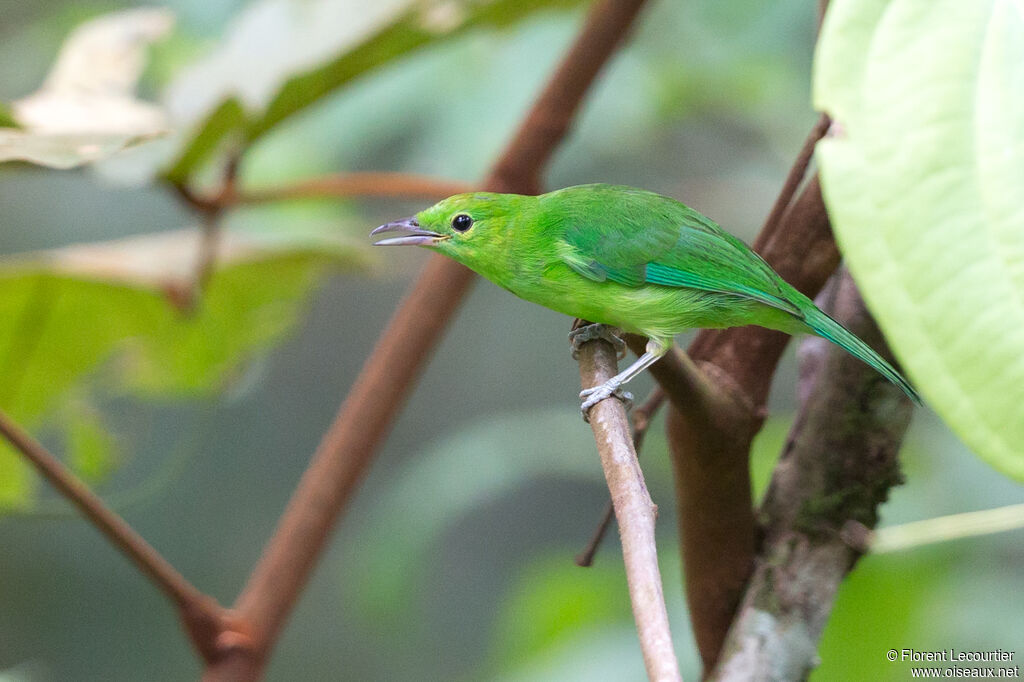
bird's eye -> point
(462, 222)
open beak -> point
(417, 237)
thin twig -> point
(642, 417)
(796, 175)
(210, 211)
(206, 255)
(635, 512)
(946, 528)
(351, 441)
(204, 619)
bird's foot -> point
(609, 389)
(577, 337)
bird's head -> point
(465, 227)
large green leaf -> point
(66, 312)
(923, 178)
(282, 56)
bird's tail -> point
(827, 328)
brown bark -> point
(839, 462)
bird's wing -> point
(674, 247)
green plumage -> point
(625, 257)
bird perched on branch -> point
(624, 257)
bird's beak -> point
(417, 237)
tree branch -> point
(634, 511)
(710, 447)
(364, 418)
(838, 465)
(204, 619)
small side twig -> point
(635, 512)
(206, 257)
(945, 528)
(205, 621)
(794, 178)
(641, 423)
(210, 211)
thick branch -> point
(710, 450)
(403, 349)
(838, 465)
(204, 619)
(634, 511)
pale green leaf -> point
(923, 176)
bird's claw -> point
(577, 337)
(609, 389)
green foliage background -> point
(455, 560)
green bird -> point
(625, 257)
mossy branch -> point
(839, 462)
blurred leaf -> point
(424, 23)
(59, 150)
(923, 180)
(560, 621)
(64, 312)
(86, 110)
(879, 607)
(765, 452)
(91, 448)
(608, 653)
(472, 467)
(7, 118)
(26, 672)
(16, 481)
(553, 599)
(306, 51)
(225, 119)
(244, 311)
